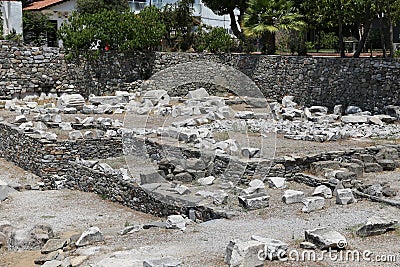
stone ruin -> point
(196, 158)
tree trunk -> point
(363, 39)
(234, 26)
(341, 41)
(270, 44)
(364, 36)
(382, 34)
(390, 22)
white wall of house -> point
(12, 16)
(207, 15)
(60, 13)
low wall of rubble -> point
(47, 158)
(370, 83)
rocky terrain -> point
(224, 180)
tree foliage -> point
(263, 18)
(179, 23)
(96, 6)
(227, 7)
(214, 40)
(36, 26)
(112, 29)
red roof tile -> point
(39, 5)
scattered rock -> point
(70, 101)
(277, 182)
(293, 196)
(322, 191)
(163, 262)
(255, 186)
(206, 180)
(90, 236)
(176, 222)
(53, 245)
(30, 239)
(157, 97)
(344, 196)
(199, 93)
(244, 253)
(352, 110)
(355, 119)
(20, 119)
(131, 229)
(274, 249)
(4, 190)
(376, 225)
(325, 238)
(254, 201)
(313, 204)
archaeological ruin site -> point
(195, 159)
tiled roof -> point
(39, 5)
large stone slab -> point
(274, 249)
(355, 119)
(90, 236)
(325, 238)
(376, 225)
(293, 196)
(157, 97)
(244, 253)
(163, 262)
(108, 100)
(53, 245)
(4, 190)
(322, 191)
(344, 196)
(30, 239)
(70, 101)
(313, 204)
(199, 93)
(254, 201)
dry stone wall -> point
(370, 83)
(47, 158)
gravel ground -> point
(201, 244)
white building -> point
(58, 12)
(12, 17)
(207, 15)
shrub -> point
(213, 40)
(111, 29)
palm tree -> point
(263, 18)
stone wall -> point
(129, 193)
(27, 70)
(366, 82)
(47, 158)
(370, 83)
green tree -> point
(36, 26)
(179, 23)
(228, 7)
(112, 29)
(214, 40)
(263, 18)
(95, 6)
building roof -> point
(40, 5)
